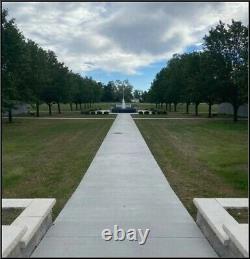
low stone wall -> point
(225, 251)
(227, 108)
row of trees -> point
(216, 74)
(33, 75)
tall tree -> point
(12, 55)
(193, 79)
(230, 44)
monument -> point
(123, 107)
(123, 101)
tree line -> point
(33, 75)
(218, 73)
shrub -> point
(99, 112)
(146, 112)
(140, 112)
(106, 112)
(92, 112)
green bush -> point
(99, 112)
(140, 112)
(106, 112)
(146, 112)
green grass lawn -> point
(200, 158)
(178, 114)
(48, 158)
(73, 114)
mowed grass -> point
(66, 114)
(200, 158)
(48, 158)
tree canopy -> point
(34, 75)
(217, 73)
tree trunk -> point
(196, 109)
(58, 107)
(10, 115)
(235, 107)
(76, 106)
(156, 105)
(187, 108)
(209, 109)
(161, 105)
(71, 106)
(175, 107)
(37, 110)
(80, 106)
(166, 106)
(50, 109)
(170, 107)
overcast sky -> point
(110, 41)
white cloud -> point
(120, 37)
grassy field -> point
(48, 158)
(73, 114)
(180, 115)
(200, 158)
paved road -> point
(124, 186)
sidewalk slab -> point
(124, 186)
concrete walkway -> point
(124, 186)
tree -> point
(12, 55)
(193, 78)
(212, 80)
(230, 44)
(109, 92)
(138, 94)
(175, 81)
(158, 88)
(36, 72)
(60, 84)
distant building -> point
(227, 108)
(135, 100)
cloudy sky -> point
(110, 41)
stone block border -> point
(24, 234)
(225, 234)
